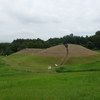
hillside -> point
(40, 59)
(60, 51)
(79, 51)
(56, 51)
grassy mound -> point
(48, 57)
(32, 62)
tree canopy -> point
(92, 42)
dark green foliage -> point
(90, 45)
(97, 33)
(91, 42)
(5, 49)
(60, 69)
(16, 45)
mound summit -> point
(61, 51)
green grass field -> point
(20, 85)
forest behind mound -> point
(90, 42)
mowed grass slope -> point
(93, 66)
(82, 60)
(32, 62)
(19, 85)
(88, 63)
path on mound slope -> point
(72, 51)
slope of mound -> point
(61, 51)
(79, 51)
(56, 51)
(30, 50)
(32, 62)
(82, 60)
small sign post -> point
(49, 68)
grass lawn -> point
(20, 85)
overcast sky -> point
(46, 19)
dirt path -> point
(65, 57)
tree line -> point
(91, 42)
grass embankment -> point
(19, 85)
(33, 62)
(90, 63)
(82, 60)
(93, 66)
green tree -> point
(90, 45)
(97, 33)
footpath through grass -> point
(19, 85)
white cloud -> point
(36, 17)
(26, 15)
(66, 31)
(48, 18)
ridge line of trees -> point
(92, 42)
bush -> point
(63, 69)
